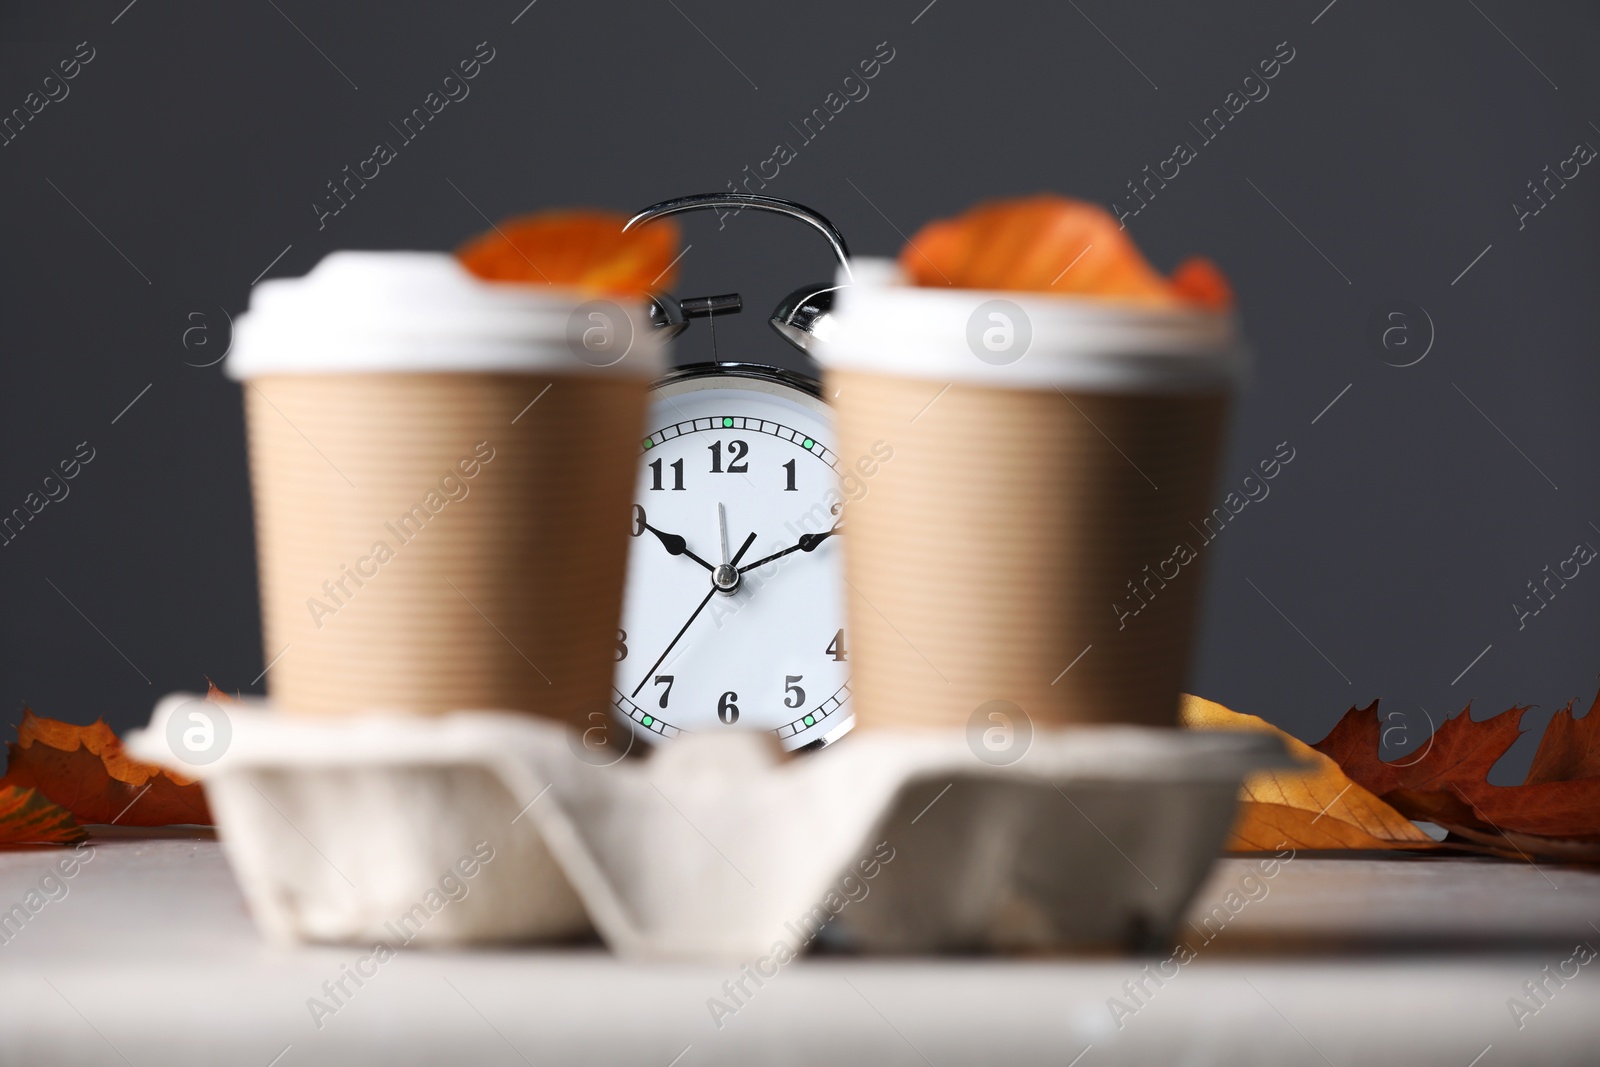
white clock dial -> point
(733, 618)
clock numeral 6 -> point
(667, 680)
(836, 647)
(622, 645)
(677, 475)
(793, 695)
(727, 710)
(737, 450)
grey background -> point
(1387, 557)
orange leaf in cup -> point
(1051, 244)
(1198, 280)
(582, 249)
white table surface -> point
(150, 959)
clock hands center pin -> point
(748, 541)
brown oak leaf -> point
(1556, 812)
(1460, 750)
(1569, 749)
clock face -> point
(733, 618)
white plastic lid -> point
(1025, 340)
(424, 312)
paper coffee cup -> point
(441, 470)
(1033, 555)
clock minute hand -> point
(676, 546)
(748, 541)
(807, 543)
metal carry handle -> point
(740, 201)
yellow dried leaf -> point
(1317, 808)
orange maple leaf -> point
(85, 770)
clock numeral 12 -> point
(677, 475)
(737, 450)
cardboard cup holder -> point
(481, 826)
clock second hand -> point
(748, 541)
(722, 531)
(724, 578)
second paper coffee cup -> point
(441, 468)
(1033, 555)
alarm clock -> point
(733, 618)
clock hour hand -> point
(692, 616)
(676, 545)
(807, 543)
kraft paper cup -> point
(441, 469)
(1033, 555)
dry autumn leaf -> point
(29, 818)
(85, 770)
(582, 249)
(1317, 808)
(1199, 281)
(1556, 812)
(1052, 244)
(1569, 749)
